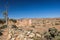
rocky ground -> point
(19, 34)
(28, 29)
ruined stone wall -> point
(39, 22)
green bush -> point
(3, 27)
(53, 31)
(51, 34)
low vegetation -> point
(2, 21)
(3, 27)
(13, 20)
(14, 26)
(52, 34)
(1, 33)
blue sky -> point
(31, 8)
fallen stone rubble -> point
(17, 34)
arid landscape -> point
(29, 19)
(29, 29)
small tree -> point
(6, 17)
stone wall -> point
(39, 22)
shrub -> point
(3, 27)
(48, 36)
(14, 26)
(1, 33)
(2, 21)
(33, 26)
(13, 20)
(57, 23)
(52, 31)
(58, 34)
(57, 38)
